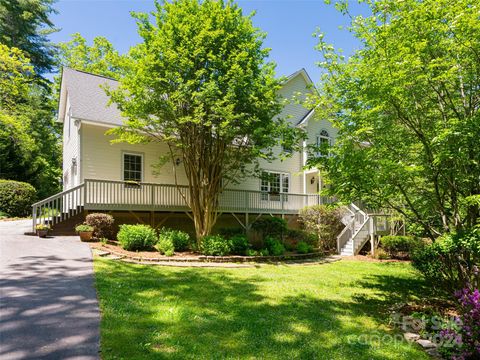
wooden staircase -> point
(61, 211)
(359, 228)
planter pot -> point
(42, 233)
(85, 235)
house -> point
(122, 178)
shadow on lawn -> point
(198, 314)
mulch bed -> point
(154, 256)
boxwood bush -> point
(16, 198)
(239, 244)
(165, 245)
(270, 227)
(180, 239)
(304, 248)
(136, 237)
(215, 245)
(400, 246)
(274, 246)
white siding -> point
(103, 160)
(100, 159)
(71, 150)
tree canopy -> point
(407, 108)
(25, 24)
(200, 83)
(100, 58)
(29, 148)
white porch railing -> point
(119, 195)
(107, 195)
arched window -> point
(323, 143)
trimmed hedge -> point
(179, 239)
(215, 245)
(137, 237)
(165, 245)
(16, 198)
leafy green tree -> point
(101, 58)
(29, 149)
(25, 24)
(407, 108)
(199, 83)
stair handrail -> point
(55, 200)
(57, 195)
(349, 231)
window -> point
(132, 167)
(272, 184)
(323, 143)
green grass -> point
(329, 311)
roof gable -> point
(88, 99)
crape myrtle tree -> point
(407, 108)
(199, 82)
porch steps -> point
(356, 232)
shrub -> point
(263, 252)
(400, 246)
(274, 246)
(462, 341)
(136, 237)
(251, 252)
(16, 198)
(102, 224)
(215, 245)
(165, 245)
(228, 233)
(304, 248)
(298, 235)
(324, 221)
(451, 261)
(270, 227)
(239, 244)
(179, 239)
(380, 254)
(83, 228)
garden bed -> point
(154, 256)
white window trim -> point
(282, 190)
(122, 175)
(319, 137)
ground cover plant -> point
(332, 311)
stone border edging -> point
(216, 259)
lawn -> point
(330, 311)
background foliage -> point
(406, 105)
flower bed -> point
(114, 249)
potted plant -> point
(85, 231)
(42, 230)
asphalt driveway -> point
(48, 302)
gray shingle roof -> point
(87, 96)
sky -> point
(289, 25)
